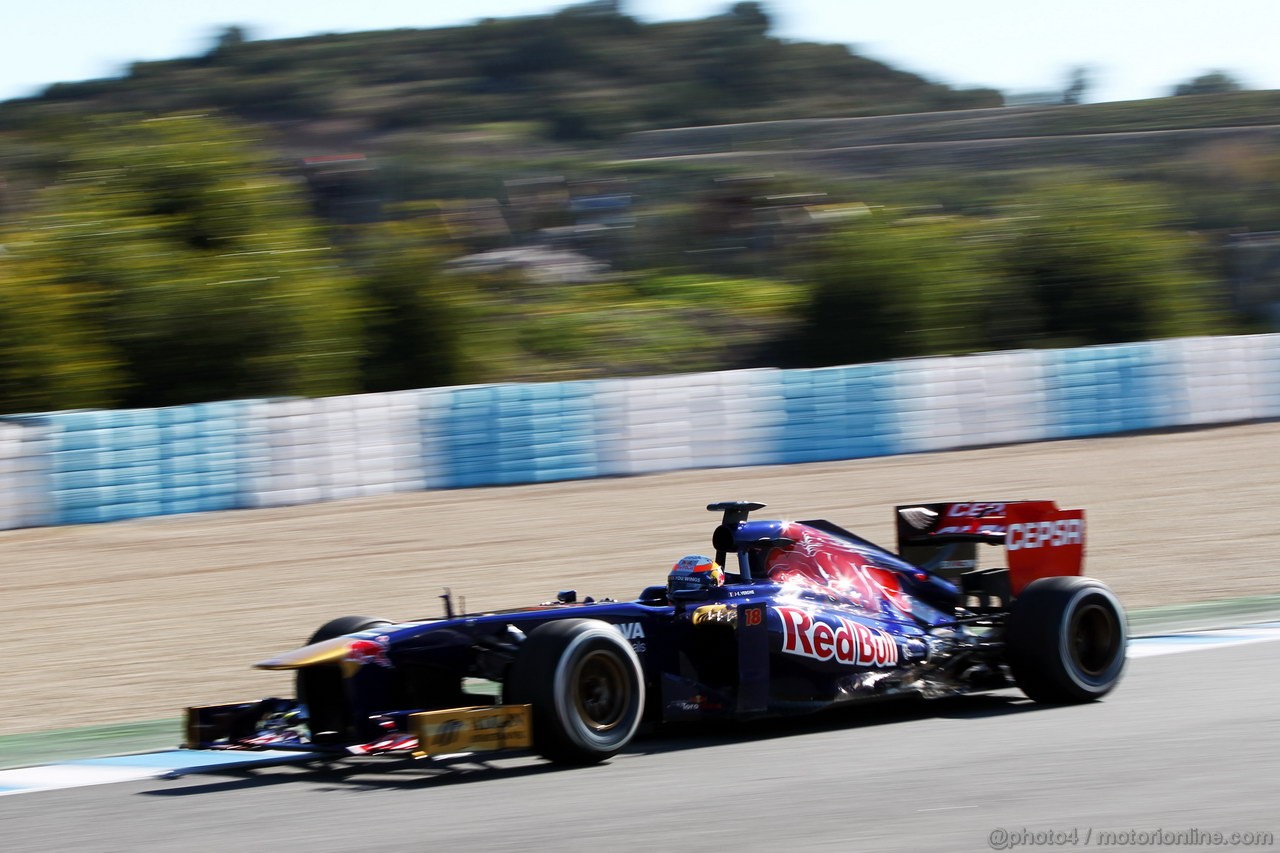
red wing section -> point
(1043, 542)
(1040, 540)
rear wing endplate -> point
(1040, 540)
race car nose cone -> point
(327, 651)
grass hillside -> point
(584, 74)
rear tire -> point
(585, 685)
(321, 688)
(1065, 640)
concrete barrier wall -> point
(88, 466)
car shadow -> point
(687, 736)
(384, 773)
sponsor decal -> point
(919, 517)
(847, 642)
(447, 733)
(971, 529)
(695, 703)
(370, 651)
(709, 613)
(472, 729)
(1045, 534)
(631, 630)
(975, 510)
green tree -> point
(1078, 85)
(50, 355)
(624, 325)
(1064, 263)
(422, 321)
(1099, 262)
(888, 287)
(1211, 83)
(195, 266)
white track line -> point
(129, 768)
(1171, 644)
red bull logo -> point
(849, 643)
(362, 651)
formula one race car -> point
(814, 616)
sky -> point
(1132, 48)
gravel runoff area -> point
(135, 620)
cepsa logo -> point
(973, 519)
(850, 643)
(1045, 534)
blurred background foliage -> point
(195, 272)
(582, 195)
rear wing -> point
(1040, 540)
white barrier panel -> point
(332, 448)
(1217, 380)
(1262, 354)
(645, 425)
(670, 423)
(944, 403)
(938, 403)
(738, 423)
(373, 444)
(1226, 379)
(24, 477)
(1015, 407)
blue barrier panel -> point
(104, 465)
(1102, 390)
(201, 456)
(837, 413)
(507, 434)
(110, 466)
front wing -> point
(279, 724)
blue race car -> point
(812, 616)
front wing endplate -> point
(478, 729)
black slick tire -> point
(586, 688)
(1065, 640)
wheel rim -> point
(1095, 639)
(602, 692)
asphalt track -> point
(1188, 742)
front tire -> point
(321, 688)
(1065, 640)
(586, 688)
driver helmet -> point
(694, 573)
